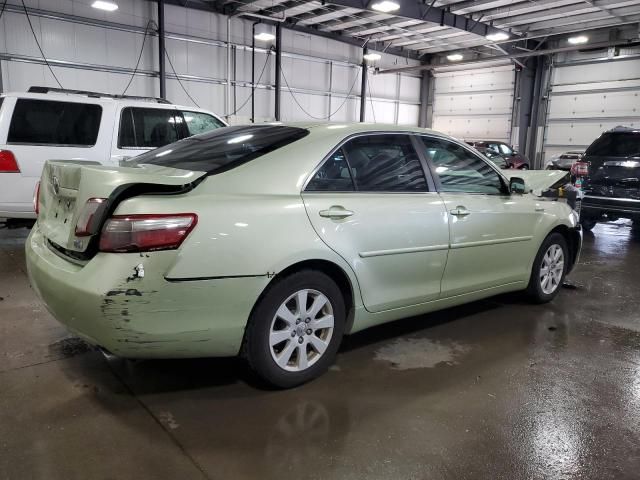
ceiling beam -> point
(533, 53)
(427, 13)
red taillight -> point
(580, 169)
(8, 162)
(36, 198)
(140, 233)
(86, 226)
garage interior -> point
(497, 388)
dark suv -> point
(612, 184)
(513, 158)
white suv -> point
(53, 124)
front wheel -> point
(549, 269)
(295, 330)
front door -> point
(491, 231)
(371, 203)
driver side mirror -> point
(516, 185)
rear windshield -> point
(47, 122)
(616, 144)
(222, 149)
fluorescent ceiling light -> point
(578, 40)
(102, 5)
(263, 33)
(497, 37)
(372, 57)
(385, 6)
(455, 57)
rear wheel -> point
(295, 330)
(549, 269)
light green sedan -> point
(273, 241)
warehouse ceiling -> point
(427, 27)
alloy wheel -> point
(552, 269)
(301, 330)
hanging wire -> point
(3, 7)
(135, 70)
(178, 78)
(331, 114)
(373, 113)
(253, 89)
(35, 37)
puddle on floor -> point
(409, 353)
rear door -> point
(490, 230)
(371, 202)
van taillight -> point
(8, 162)
(143, 233)
(36, 198)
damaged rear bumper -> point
(150, 317)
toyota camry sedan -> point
(273, 241)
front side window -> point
(150, 127)
(221, 149)
(198, 122)
(46, 122)
(459, 170)
(333, 176)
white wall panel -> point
(589, 96)
(197, 49)
(475, 103)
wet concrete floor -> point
(497, 389)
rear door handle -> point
(336, 212)
(460, 211)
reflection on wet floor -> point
(494, 389)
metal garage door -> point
(474, 104)
(580, 109)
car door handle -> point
(336, 211)
(460, 211)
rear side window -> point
(198, 122)
(150, 127)
(616, 144)
(46, 122)
(222, 149)
(333, 176)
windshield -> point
(222, 149)
(616, 144)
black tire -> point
(523, 167)
(534, 289)
(587, 223)
(257, 348)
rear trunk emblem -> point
(56, 185)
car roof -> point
(96, 100)
(349, 128)
(621, 129)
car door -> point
(490, 230)
(140, 129)
(371, 203)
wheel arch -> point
(572, 237)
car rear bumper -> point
(148, 317)
(621, 207)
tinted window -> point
(385, 163)
(150, 127)
(333, 176)
(616, 144)
(46, 122)
(459, 170)
(222, 149)
(198, 122)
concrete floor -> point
(495, 389)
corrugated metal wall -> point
(100, 56)
(475, 104)
(589, 96)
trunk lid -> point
(65, 187)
